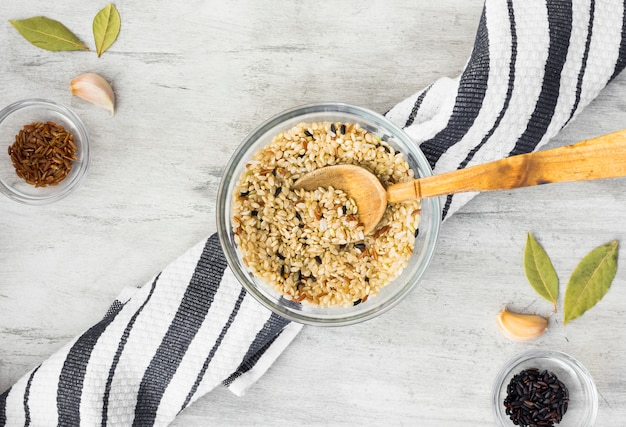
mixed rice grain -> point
(309, 245)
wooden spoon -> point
(601, 157)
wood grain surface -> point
(192, 78)
(597, 158)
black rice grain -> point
(536, 398)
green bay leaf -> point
(48, 34)
(590, 281)
(539, 271)
(106, 27)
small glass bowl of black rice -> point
(544, 388)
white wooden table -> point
(192, 78)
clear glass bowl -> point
(583, 405)
(12, 120)
(391, 294)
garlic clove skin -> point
(521, 327)
(94, 88)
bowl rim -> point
(223, 228)
(81, 129)
(514, 364)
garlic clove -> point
(94, 88)
(521, 327)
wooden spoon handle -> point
(601, 157)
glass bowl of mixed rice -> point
(303, 254)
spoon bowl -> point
(369, 195)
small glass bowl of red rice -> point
(327, 284)
(45, 113)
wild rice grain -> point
(42, 153)
(310, 246)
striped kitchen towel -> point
(535, 65)
(157, 350)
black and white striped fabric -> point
(157, 350)
(535, 65)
